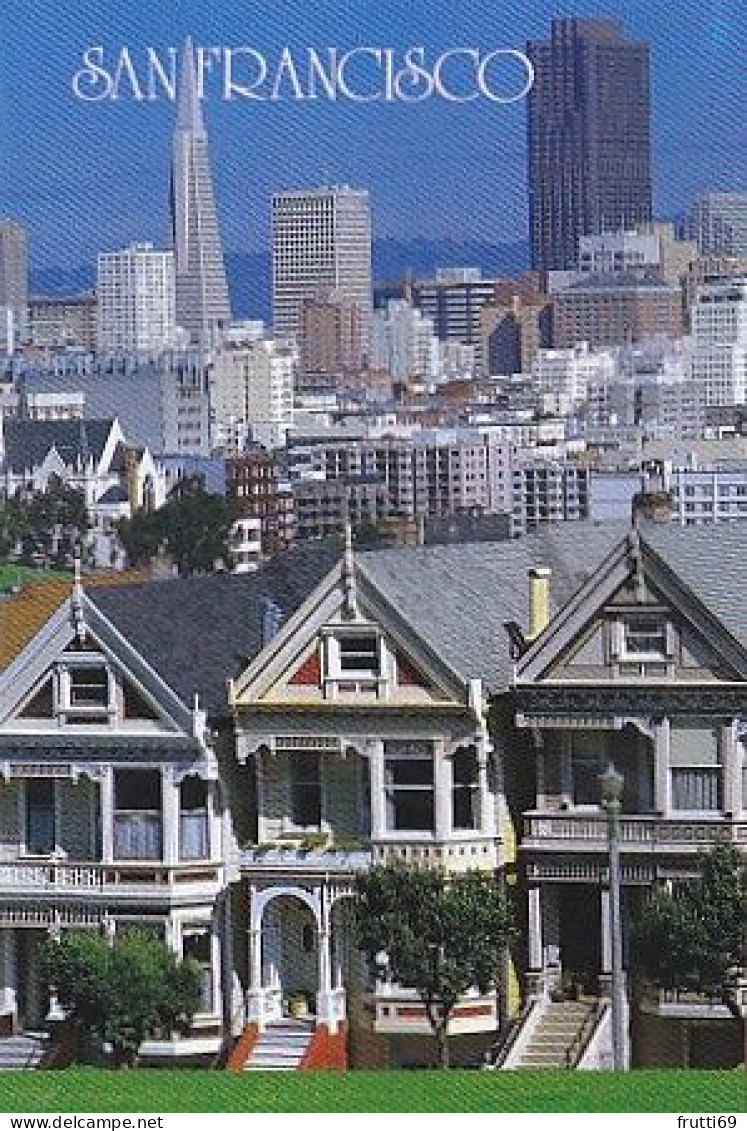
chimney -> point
(539, 601)
(655, 506)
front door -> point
(580, 934)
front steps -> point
(555, 1031)
(22, 1051)
(281, 1047)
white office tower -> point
(719, 352)
(135, 300)
(251, 393)
(202, 302)
(321, 242)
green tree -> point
(692, 936)
(47, 525)
(124, 992)
(192, 527)
(442, 934)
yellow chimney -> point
(539, 601)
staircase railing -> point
(579, 1044)
(497, 1054)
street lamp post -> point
(612, 786)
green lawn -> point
(12, 574)
(142, 1090)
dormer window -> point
(355, 660)
(644, 637)
(85, 690)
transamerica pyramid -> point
(202, 302)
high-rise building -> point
(135, 300)
(589, 146)
(14, 280)
(202, 301)
(718, 223)
(453, 300)
(719, 352)
(321, 242)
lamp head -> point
(611, 784)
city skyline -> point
(469, 159)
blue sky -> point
(95, 176)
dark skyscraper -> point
(589, 137)
(202, 303)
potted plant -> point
(298, 1004)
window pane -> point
(40, 819)
(645, 636)
(137, 789)
(696, 789)
(359, 654)
(412, 809)
(306, 788)
(89, 687)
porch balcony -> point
(290, 860)
(585, 831)
(122, 881)
(685, 1005)
(458, 853)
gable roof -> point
(198, 632)
(27, 442)
(459, 597)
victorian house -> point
(215, 758)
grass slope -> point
(93, 1090)
(12, 574)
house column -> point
(8, 979)
(378, 798)
(255, 998)
(535, 971)
(107, 815)
(487, 807)
(325, 1008)
(170, 815)
(732, 769)
(662, 801)
(605, 978)
(443, 778)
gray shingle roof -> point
(198, 632)
(27, 442)
(459, 597)
(711, 561)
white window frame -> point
(64, 684)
